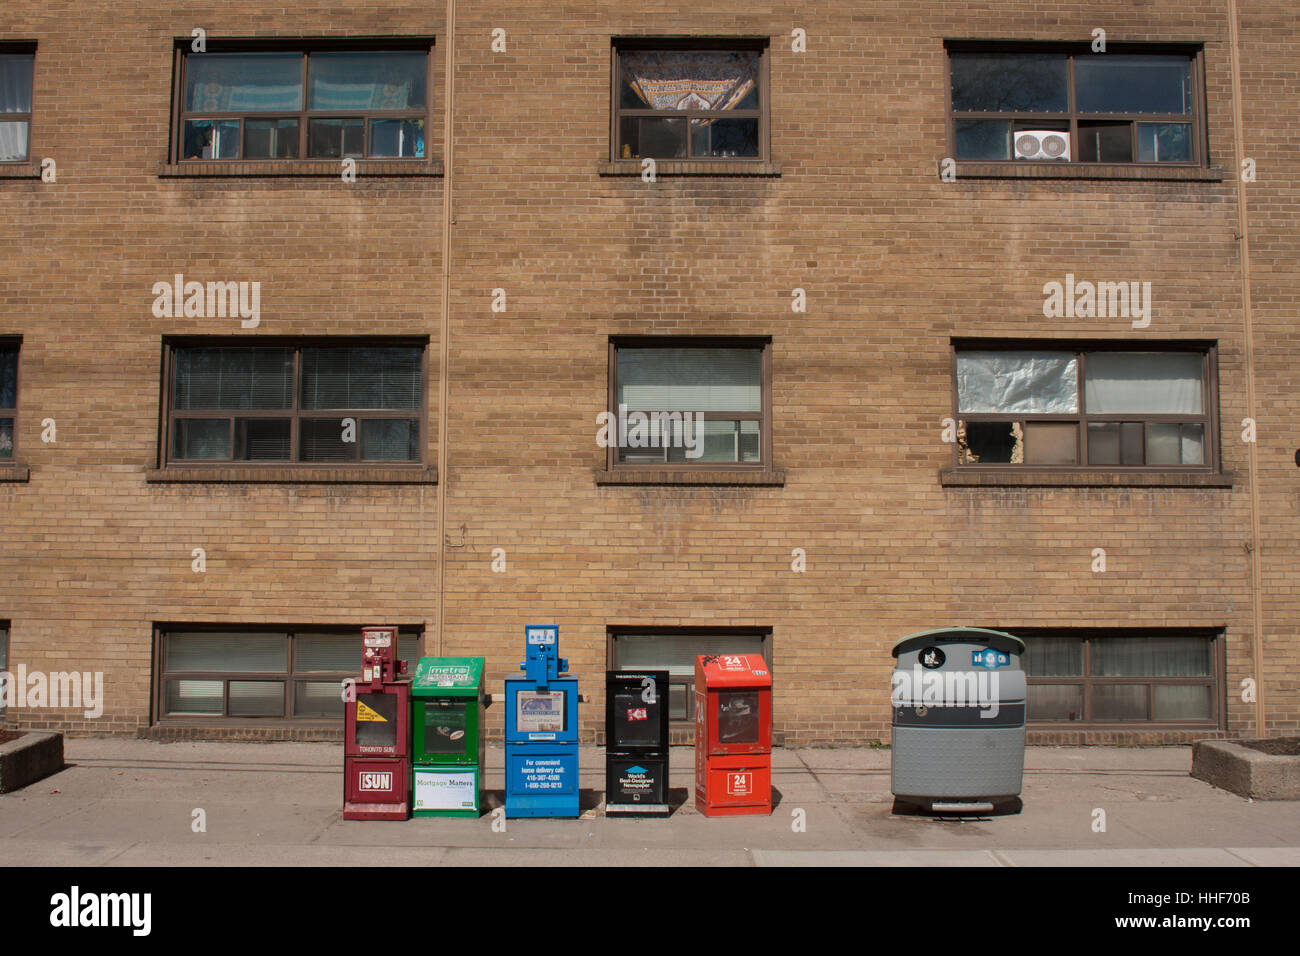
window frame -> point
(1071, 117)
(614, 632)
(16, 343)
(764, 417)
(21, 48)
(295, 414)
(1216, 681)
(1209, 417)
(760, 45)
(305, 47)
(289, 677)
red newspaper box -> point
(377, 733)
(733, 735)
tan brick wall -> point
(894, 263)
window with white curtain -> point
(1103, 407)
(1161, 676)
(15, 103)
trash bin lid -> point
(966, 635)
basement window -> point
(1127, 676)
(206, 673)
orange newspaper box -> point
(733, 735)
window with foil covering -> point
(323, 102)
(675, 650)
(319, 403)
(1161, 676)
(690, 100)
(213, 673)
(689, 403)
(16, 68)
(1108, 407)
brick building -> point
(839, 261)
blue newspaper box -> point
(542, 731)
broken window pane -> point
(1036, 383)
(991, 443)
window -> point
(8, 398)
(16, 69)
(690, 100)
(683, 402)
(278, 104)
(1074, 105)
(311, 403)
(4, 662)
(1108, 408)
(675, 650)
(1123, 676)
(225, 673)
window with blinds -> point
(685, 403)
(310, 403)
(208, 673)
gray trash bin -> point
(958, 705)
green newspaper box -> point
(447, 703)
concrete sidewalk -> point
(132, 802)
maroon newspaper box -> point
(377, 734)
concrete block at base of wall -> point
(1234, 766)
(31, 757)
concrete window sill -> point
(636, 476)
(1101, 171)
(293, 476)
(14, 471)
(672, 167)
(1069, 478)
(304, 169)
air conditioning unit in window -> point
(1042, 144)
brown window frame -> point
(305, 48)
(14, 342)
(764, 418)
(1196, 119)
(289, 677)
(760, 45)
(1216, 681)
(296, 414)
(1208, 419)
(614, 632)
(21, 48)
